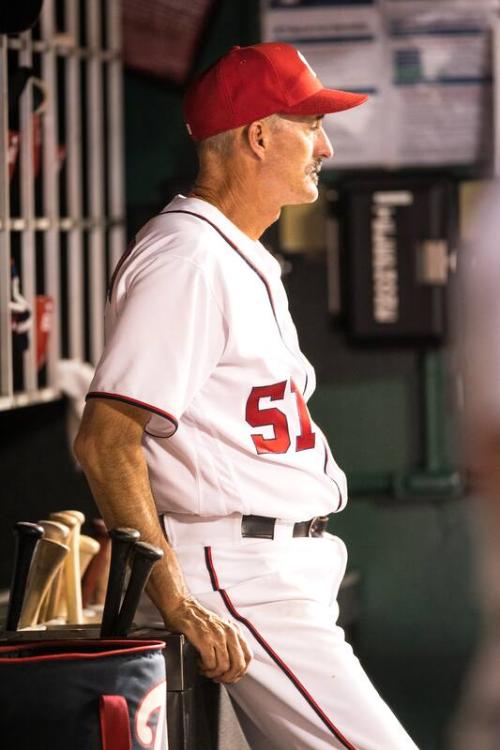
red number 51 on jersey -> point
(273, 417)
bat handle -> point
(122, 541)
(27, 536)
(145, 556)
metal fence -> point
(61, 192)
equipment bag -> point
(83, 695)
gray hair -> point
(221, 144)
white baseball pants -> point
(305, 689)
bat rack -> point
(61, 192)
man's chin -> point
(313, 196)
(309, 195)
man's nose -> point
(324, 148)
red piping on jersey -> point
(272, 653)
(136, 402)
(211, 570)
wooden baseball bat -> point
(57, 532)
(58, 605)
(96, 576)
(89, 547)
(27, 536)
(122, 542)
(145, 556)
(72, 571)
(72, 587)
(47, 560)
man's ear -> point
(258, 138)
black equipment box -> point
(397, 236)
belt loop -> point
(283, 529)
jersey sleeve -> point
(164, 336)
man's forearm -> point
(118, 477)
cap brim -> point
(326, 101)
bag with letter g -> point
(83, 695)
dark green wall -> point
(419, 607)
(419, 613)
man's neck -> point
(239, 204)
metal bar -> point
(434, 426)
(95, 180)
(116, 178)
(63, 223)
(27, 271)
(6, 385)
(59, 46)
(74, 190)
(51, 189)
(41, 396)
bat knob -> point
(26, 529)
(27, 535)
(124, 534)
(123, 540)
(148, 551)
(145, 557)
(80, 517)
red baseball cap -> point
(249, 83)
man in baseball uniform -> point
(197, 432)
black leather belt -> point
(262, 527)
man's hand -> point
(224, 652)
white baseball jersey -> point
(199, 333)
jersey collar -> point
(253, 250)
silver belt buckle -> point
(318, 526)
(313, 526)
